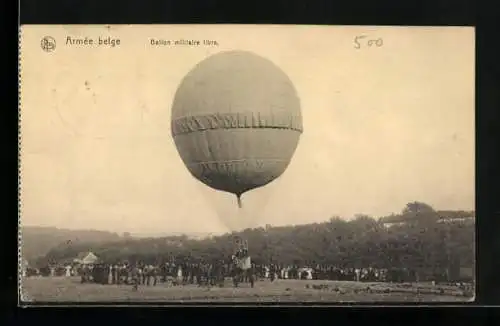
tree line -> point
(426, 241)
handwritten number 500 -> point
(357, 45)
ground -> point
(60, 289)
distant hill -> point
(38, 241)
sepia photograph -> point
(246, 164)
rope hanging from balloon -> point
(238, 198)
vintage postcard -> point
(246, 163)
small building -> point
(86, 258)
(470, 219)
(391, 224)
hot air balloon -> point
(236, 121)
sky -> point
(383, 126)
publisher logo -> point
(48, 44)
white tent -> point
(86, 258)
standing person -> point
(110, 274)
(200, 271)
(68, 270)
(185, 272)
(180, 275)
(168, 273)
(104, 273)
(150, 275)
(136, 277)
(220, 273)
(142, 273)
(123, 274)
(83, 274)
(113, 273)
(357, 272)
(191, 273)
(145, 274)
(197, 273)
(272, 272)
(208, 273)
(117, 273)
(212, 273)
(152, 272)
(156, 273)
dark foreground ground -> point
(61, 289)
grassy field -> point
(60, 289)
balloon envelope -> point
(236, 121)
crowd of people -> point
(151, 275)
(214, 273)
(239, 267)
